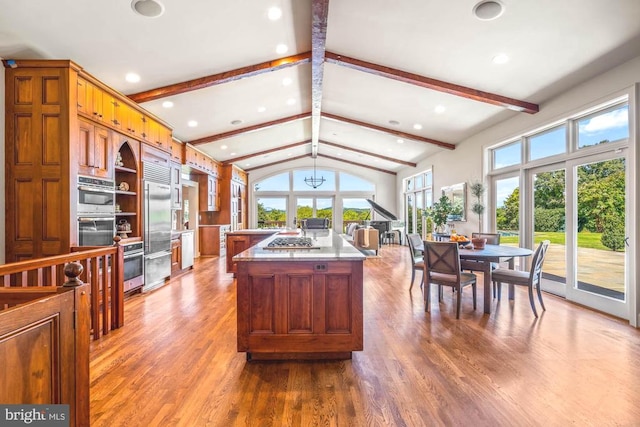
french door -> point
(314, 207)
(597, 259)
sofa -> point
(363, 238)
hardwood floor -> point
(175, 362)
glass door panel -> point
(507, 209)
(355, 211)
(419, 212)
(304, 209)
(410, 214)
(272, 212)
(314, 207)
(324, 209)
(601, 237)
(549, 223)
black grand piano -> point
(391, 225)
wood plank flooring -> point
(175, 362)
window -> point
(604, 127)
(548, 143)
(274, 183)
(353, 183)
(272, 212)
(507, 155)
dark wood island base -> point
(303, 304)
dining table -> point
(485, 257)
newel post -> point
(72, 270)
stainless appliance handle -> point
(158, 255)
(96, 190)
(137, 254)
(89, 219)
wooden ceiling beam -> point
(433, 84)
(390, 131)
(357, 164)
(260, 126)
(262, 153)
(319, 14)
(220, 78)
(368, 153)
(277, 163)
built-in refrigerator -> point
(157, 228)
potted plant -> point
(477, 189)
(439, 212)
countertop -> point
(257, 231)
(331, 247)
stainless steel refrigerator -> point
(157, 234)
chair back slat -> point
(442, 257)
(492, 238)
(538, 259)
(414, 241)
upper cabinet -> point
(199, 161)
(113, 111)
(94, 150)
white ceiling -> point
(553, 45)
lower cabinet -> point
(176, 256)
(299, 309)
(239, 241)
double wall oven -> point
(96, 211)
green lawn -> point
(585, 239)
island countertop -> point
(328, 245)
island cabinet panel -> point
(299, 309)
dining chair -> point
(529, 278)
(415, 241)
(471, 265)
(442, 268)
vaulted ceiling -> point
(372, 83)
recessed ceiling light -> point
(274, 13)
(394, 122)
(417, 126)
(400, 141)
(167, 104)
(265, 156)
(192, 123)
(132, 78)
(282, 48)
(262, 109)
(223, 147)
(500, 58)
(232, 154)
(286, 81)
(291, 101)
(487, 10)
(289, 155)
(247, 164)
(148, 8)
(236, 122)
(440, 109)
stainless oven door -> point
(133, 270)
(93, 200)
(96, 231)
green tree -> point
(549, 190)
(507, 216)
(613, 235)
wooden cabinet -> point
(208, 193)
(94, 150)
(233, 199)
(44, 342)
(199, 161)
(300, 309)
(238, 241)
(176, 185)
(177, 151)
(213, 239)
(61, 123)
(176, 255)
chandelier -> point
(314, 181)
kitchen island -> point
(298, 302)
